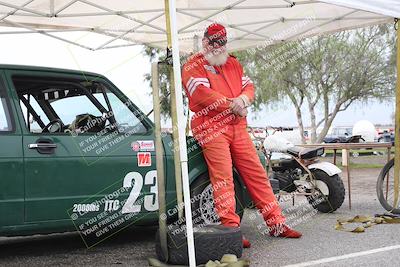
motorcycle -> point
(293, 169)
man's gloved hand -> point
(242, 113)
(238, 106)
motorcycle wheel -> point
(330, 192)
(386, 197)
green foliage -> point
(324, 74)
(159, 55)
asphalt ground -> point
(321, 244)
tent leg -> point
(162, 218)
(397, 126)
(178, 95)
(177, 160)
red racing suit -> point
(224, 137)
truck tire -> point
(203, 203)
(335, 197)
(211, 243)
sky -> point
(126, 68)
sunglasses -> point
(215, 40)
(217, 43)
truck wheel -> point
(203, 209)
(330, 194)
(211, 243)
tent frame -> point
(170, 14)
(178, 117)
(119, 34)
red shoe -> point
(282, 230)
(246, 243)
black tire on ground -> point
(335, 199)
(211, 243)
(381, 183)
(202, 201)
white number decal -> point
(150, 201)
(129, 206)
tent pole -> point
(174, 116)
(196, 48)
(162, 207)
(181, 145)
(397, 126)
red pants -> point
(235, 146)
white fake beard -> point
(217, 58)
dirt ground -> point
(371, 159)
(363, 180)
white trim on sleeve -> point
(245, 81)
(192, 84)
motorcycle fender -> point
(327, 167)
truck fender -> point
(326, 167)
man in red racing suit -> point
(219, 93)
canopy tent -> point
(250, 23)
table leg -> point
(348, 175)
(334, 156)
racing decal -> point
(143, 195)
(97, 224)
(144, 159)
(147, 145)
(143, 145)
(136, 181)
(85, 207)
(210, 68)
(135, 146)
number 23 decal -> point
(135, 180)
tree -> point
(326, 73)
(323, 75)
(165, 77)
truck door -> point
(88, 149)
(11, 163)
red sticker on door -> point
(135, 146)
(144, 159)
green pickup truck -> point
(77, 154)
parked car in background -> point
(348, 139)
(386, 137)
(339, 135)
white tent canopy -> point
(250, 22)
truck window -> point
(68, 108)
(30, 121)
(6, 124)
(72, 106)
(126, 120)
